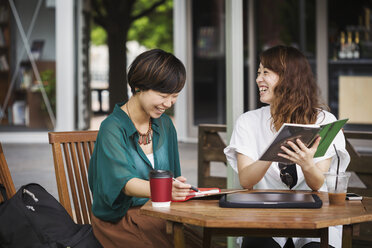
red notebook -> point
(205, 192)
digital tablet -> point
(270, 200)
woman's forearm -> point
(137, 187)
(314, 175)
(251, 172)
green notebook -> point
(307, 134)
(328, 132)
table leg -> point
(347, 236)
(324, 238)
(207, 237)
(178, 235)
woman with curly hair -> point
(286, 83)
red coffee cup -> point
(161, 187)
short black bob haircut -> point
(157, 70)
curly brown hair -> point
(296, 95)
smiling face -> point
(266, 81)
(154, 103)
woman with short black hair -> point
(136, 138)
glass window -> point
(292, 23)
(350, 35)
(350, 62)
(209, 67)
(23, 104)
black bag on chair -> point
(34, 218)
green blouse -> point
(117, 158)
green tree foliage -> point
(152, 31)
(156, 29)
(117, 17)
(98, 35)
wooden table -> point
(262, 222)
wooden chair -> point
(360, 163)
(71, 154)
(5, 177)
(210, 149)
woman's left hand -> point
(300, 155)
(180, 189)
(304, 157)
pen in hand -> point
(192, 187)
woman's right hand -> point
(251, 172)
(180, 189)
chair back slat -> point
(63, 192)
(5, 177)
(79, 209)
(79, 168)
(77, 147)
(91, 147)
(87, 153)
(84, 162)
(71, 180)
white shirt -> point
(253, 133)
(150, 157)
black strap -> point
(3, 192)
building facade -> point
(219, 42)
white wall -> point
(180, 50)
(65, 64)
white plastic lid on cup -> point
(161, 204)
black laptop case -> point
(270, 200)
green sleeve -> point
(113, 167)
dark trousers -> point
(255, 242)
(314, 245)
(261, 242)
